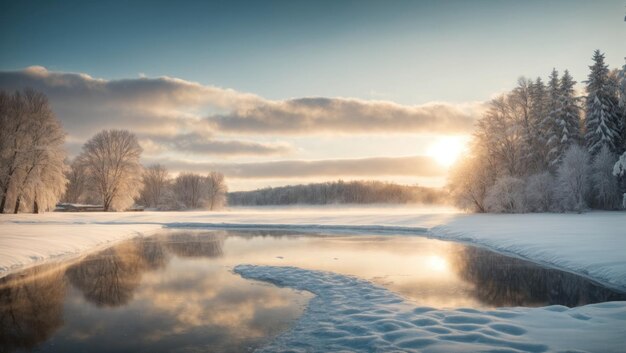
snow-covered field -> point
(349, 313)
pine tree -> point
(549, 122)
(536, 152)
(568, 117)
(621, 92)
(601, 113)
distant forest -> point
(338, 192)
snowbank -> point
(349, 314)
(24, 245)
(591, 244)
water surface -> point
(175, 291)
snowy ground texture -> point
(348, 314)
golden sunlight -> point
(446, 150)
(437, 263)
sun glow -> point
(446, 150)
(437, 263)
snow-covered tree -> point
(573, 179)
(620, 77)
(156, 180)
(111, 159)
(216, 190)
(188, 190)
(604, 184)
(31, 152)
(619, 171)
(76, 174)
(549, 122)
(469, 180)
(537, 159)
(506, 196)
(602, 125)
(540, 192)
(567, 118)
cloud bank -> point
(356, 167)
(166, 105)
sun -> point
(446, 150)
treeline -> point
(107, 172)
(35, 173)
(541, 147)
(338, 192)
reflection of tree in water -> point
(504, 281)
(110, 277)
(152, 252)
(193, 244)
(31, 307)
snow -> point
(590, 244)
(350, 314)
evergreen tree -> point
(621, 92)
(549, 121)
(568, 117)
(601, 112)
(536, 158)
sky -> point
(286, 92)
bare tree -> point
(506, 196)
(216, 190)
(111, 159)
(76, 175)
(31, 152)
(155, 181)
(540, 192)
(573, 179)
(188, 190)
(468, 183)
(604, 184)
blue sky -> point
(410, 52)
(430, 63)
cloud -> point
(201, 145)
(357, 167)
(171, 106)
(346, 115)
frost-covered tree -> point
(550, 120)
(506, 196)
(621, 92)
(540, 192)
(188, 190)
(76, 174)
(216, 190)
(31, 152)
(111, 159)
(156, 180)
(537, 158)
(602, 126)
(469, 180)
(619, 171)
(604, 184)
(567, 118)
(573, 179)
